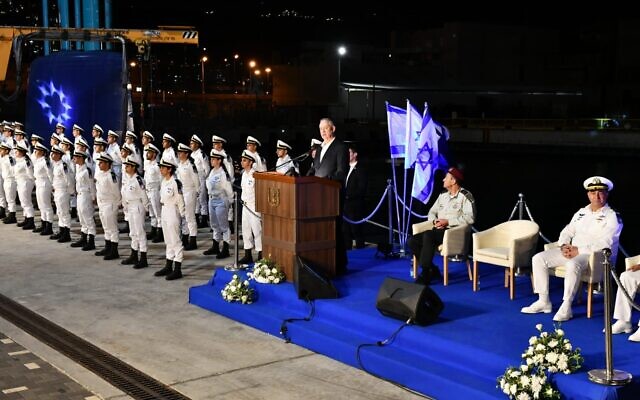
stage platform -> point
(477, 336)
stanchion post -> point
(235, 266)
(608, 376)
(390, 206)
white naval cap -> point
(18, 131)
(245, 154)
(56, 137)
(5, 145)
(148, 135)
(41, 147)
(66, 141)
(61, 125)
(98, 128)
(80, 153)
(598, 183)
(83, 142)
(282, 145)
(252, 140)
(37, 137)
(131, 135)
(100, 141)
(183, 147)
(168, 163)
(57, 149)
(104, 156)
(128, 148)
(113, 133)
(218, 154)
(22, 148)
(78, 127)
(168, 137)
(218, 139)
(196, 139)
(315, 142)
(131, 161)
(152, 147)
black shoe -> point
(107, 248)
(38, 229)
(214, 249)
(90, 245)
(132, 259)
(125, 229)
(151, 235)
(65, 236)
(166, 270)
(224, 253)
(3, 213)
(192, 244)
(247, 259)
(159, 237)
(113, 252)
(29, 224)
(177, 272)
(10, 218)
(142, 263)
(203, 222)
(185, 240)
(47, 229)
(80, 242)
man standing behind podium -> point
(332, 162)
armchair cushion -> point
(496, 252)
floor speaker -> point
(407, 300)
(310, 283)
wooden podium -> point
(298, 219)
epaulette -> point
(12, 161)
(467, 194)
(140, 181)
(179, 185)
(114, 177)
(48, 162)
(195, 169)
(27, 160)
(90, 172)
(64, 166)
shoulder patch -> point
(27, 160)
(48, 162)
(179, 185)
(12, 161)
(89, 172)
(140, 181)
(64, 166)
(114, 177)
(195, 169)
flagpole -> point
(395, 185)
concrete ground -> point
(147, 322)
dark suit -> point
(335, 166)
(354, 206)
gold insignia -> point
(274, 197)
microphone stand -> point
(301, 157)
(608, 376)
(235, 266)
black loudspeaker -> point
(407, 300)
(310, 283)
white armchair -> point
(454, 243)
(510, 244)
(591, 275)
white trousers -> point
(25, 190)
(251, 230)
(171, 230)
(108, 212)
(553, 258)
(85, 214)
(630, 280)
(189, 223)
(3, 199)
(136, 226)
(43, 197)
(61, 198)
(155, 208)
(203, 198)
(10, 193)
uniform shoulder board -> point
(194, 168)
(179, 185)
(140, 181)
(114, 177)
(64, 166)
(467, 194)
(48, 162)
(12, 161)
(27, 160)
(89, 172)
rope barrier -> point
(372, 213)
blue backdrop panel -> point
(84, 88)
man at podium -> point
(332, 162)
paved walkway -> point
(147, 322)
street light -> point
(268, 72)
(341, 52)
(202, 61)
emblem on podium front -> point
(274, 197)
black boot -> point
(80, 242)
(125, 229)
(177, 272)
(113, 252)
(39, 229)
(21, 223)
(29, 224)
(90, 245)
(159, 237)
(107, 248)
(47, 229)
(191, 243)
(185, 240)
(151, 235)
(74, 212)
(3, 213)
(11, 218)
(225, 251)
(203, 222)
(132, 259)
(56, 236)
(247, 259)
(231, 227)
(142, 263)
(65, 236)
(214, 249)
(166, 270)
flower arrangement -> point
(524, 384)
(237, 290)
(548, 353)
(266, 271)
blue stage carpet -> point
(477, 336)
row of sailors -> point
(170, 202)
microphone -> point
(606, 252)
(301, 157)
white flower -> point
(276, 280)
(525, 380)
(513, 389)
(533, 340)
(551, 357)
(567, 346)
(540, 347)
(523, 396)
(553, 343)
(560, 332)
(539, 327)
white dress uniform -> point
(25, 181)
(284, 164)
(67, 157)
(135, 200)
(169, 154)
(589, 231)
(152, 179)
(251, 225)
(63, 183)
(220, 196)
(114, 151)
(260, 164)
(173, 210)
(188, 175)
(43, 173)
(86, 189)
(203, 167)
(630, 281)
(109, 199)
(9, 182)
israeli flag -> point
(412, 135)
(429, 158)
(396, 121)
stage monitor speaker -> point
(310, 283)
(407, 300)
